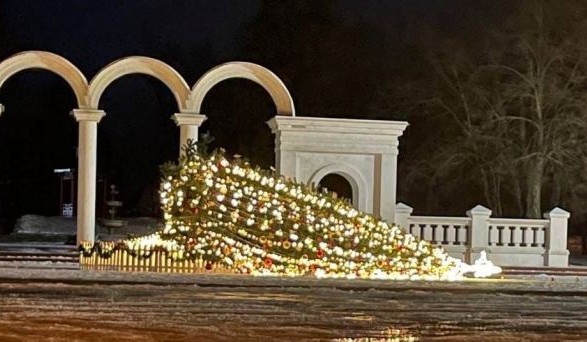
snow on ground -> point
(68, 304)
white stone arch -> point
(86, 122)
(138, 65)
(51, 62)
(363, 151)
(358, 183)
(250, 71)
(90, 118)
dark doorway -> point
(339, 185)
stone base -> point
(557, 258)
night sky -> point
(338, 59)
(37, 135)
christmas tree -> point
(232, 215)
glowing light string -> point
(252, 221)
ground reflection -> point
(392, 311)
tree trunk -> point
(517, 192)
(556, 191)
(534, 188)
(487, 193)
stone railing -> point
(508, 242)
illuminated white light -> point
(241, 223)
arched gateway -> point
(78, 83)
(191, 119)
(253, 72)
(89, 119)
(139, 65)
(50, 62)
(362, 151)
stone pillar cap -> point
(403, 208)
(188, 118)
(558, 213)
(479, 210)
(85, 114)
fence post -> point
(557, 254)
(402, 216)
(478, 232)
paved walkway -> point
(49, 304)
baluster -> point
(460, 235)
(416, 230)
(540, 233)
(428, 232)
(517, 236)
(500, 238)
(509, 235)
(524, 232)
(439, 234)
(451, 235)
(493, 236)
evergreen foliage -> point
(240, 217)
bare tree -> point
(514, 115)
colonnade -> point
(88, 114)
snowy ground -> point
(67, 304)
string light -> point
(252, 221)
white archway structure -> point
(87, 121)
(250, 71)
(356, 180)
(363, 151)
(51, 62)
(90, 117)
(190, 119)
(139, 65)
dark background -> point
(347, 59)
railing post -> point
(478, 232)
(402, 216)
(557, 254)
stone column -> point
(188, 123)
(286, 165)
(557, 254)
(388, 187)
(86, 182)
(478, 233)
(285, 157)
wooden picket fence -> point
(156, 261)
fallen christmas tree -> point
(230, 215)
